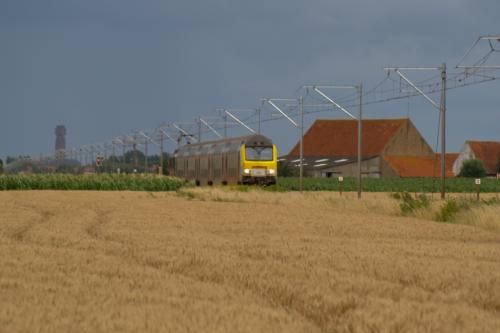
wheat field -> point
(217, 260)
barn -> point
(391, 148)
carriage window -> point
(259, 153)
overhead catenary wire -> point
(381, 92)
(457, 80)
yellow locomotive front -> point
(259, 163)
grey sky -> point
(104, 67)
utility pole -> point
(164, 134)
(360, 138)
(147, 140)
(199, 130)
(161, 153)
(105, 149)
(113, 164)
(441, 108)
(258, 119)
(92, 155)
(301, 105)
(443, 130)
(136, 158)
(124, 150)
(145, 155)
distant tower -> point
(60, 140)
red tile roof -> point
(488, 152)
(419, 166)
(340, 138)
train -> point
(239, 160)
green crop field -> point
(427, 185)
(114, 182)
(102, 182)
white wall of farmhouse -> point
(465, 154)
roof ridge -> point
(364, 119)
(481, 141)
(420, 156)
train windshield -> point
(259, 153)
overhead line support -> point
(441, 108)
(300, 127)
(238, 121)
(204, 122)
(359, 89)
(325, 96)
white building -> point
(486, 151)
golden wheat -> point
(216, 260)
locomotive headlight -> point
(271, 171)
(246, 171)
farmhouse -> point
(391, 148)
(486, 151)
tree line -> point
(133, 161)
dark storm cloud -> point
(106, 66)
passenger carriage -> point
(241, 160)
